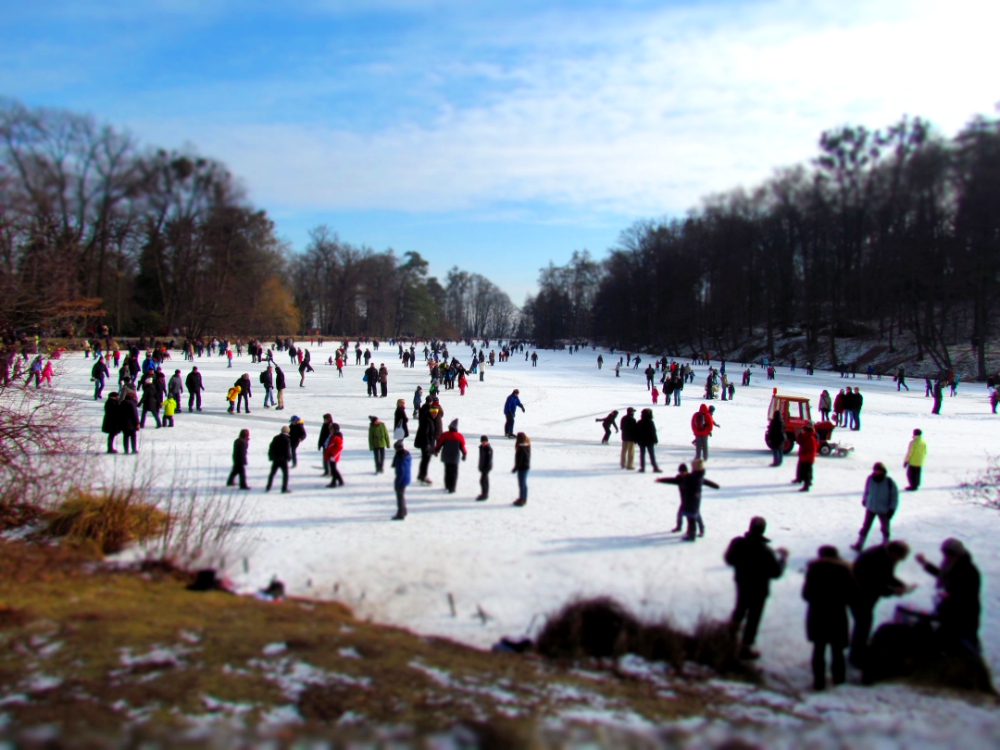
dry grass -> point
(110, 520)
(602, 627)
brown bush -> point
(602, 627)
(111, 520)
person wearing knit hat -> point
(451, 447)
(296, 434)
(881, 499)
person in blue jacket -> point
(509, 410)
(401, 464)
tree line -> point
(885, 232)
(96, 229)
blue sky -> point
(498, 136)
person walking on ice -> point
(402, 466)
(881, 499)
(702, 424)
(451, 447)
(754, 564)
(280, 453)
(522, 465)
(485, 467)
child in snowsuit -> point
(656, 395)
(169, 407)
(231, 395)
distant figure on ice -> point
(485, 467)
(402, 465)
(522, 465)
(916, 454)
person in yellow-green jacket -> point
(378, 441)
(916, 454)
(169, 409)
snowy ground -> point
(589, 527)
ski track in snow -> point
(589, 528)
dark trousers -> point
(804, 473)
(450, 477)
(607, 435)
(913, 476)
(379, 459)
(522, 484)
(855, 417)
(98, 389)
(779, 456)
(275, 466)
(484, 484)
(749, 607)
(243, 400)
(168, 421)
(238, 471)
(128, 439)
(937, 406)
(701, 446)
(385, 389)
(145, 411)
(295, 453)
(400, 501)
(335, 478)
(642, 458)
(372, 386)
(194, 398)
(863, 610)
(425, 460)
(837, 666)
(883, 519)
(508, 428)
(111, 442)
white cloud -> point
(640, 116)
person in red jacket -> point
(702, 424)
(331, 454)
(808, 446)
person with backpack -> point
(880, 500)
(280, 453)
(607, 423)
(266, 378)
(754, 564)
(332, 449)
(702, 424)
(485, 467)
(451, 447)
(829, 589)
(195, 387)
(402, 464)
(689, 484)
(241, 447)
(378, 441)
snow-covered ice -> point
(589, 528)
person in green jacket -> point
(916, 454)
(378, 441)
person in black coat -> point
(240, 447)
(607, 423)
(875, 572)
(775, 438)
(112, 419)
(400, 421)
(150, 402)
(243, 398)
(430, 425)
(830, 589)
(324, 435)
(485, 467)
(195, 387)
(128, 421)
(629, 436)
(98, 373)
(279, 453)
(371, 378)
(647, 439)
(754, 564)
(296, 435)
(958, 583)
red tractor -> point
(795, 414)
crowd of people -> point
(833, 586)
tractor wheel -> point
(824, 450)
(789, 445)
